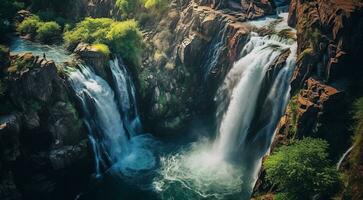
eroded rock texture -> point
(43, 144)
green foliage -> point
(123, 38)
(127, 7)
(90, 30)
(102, 48)
(302, 170)
(29, 26)
(282, 196)
(154, 4)
(48, 31)
(355, 157)
(130, 8)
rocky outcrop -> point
(329, 35)
(94, 58)
(189, 53)
(43, 141)
(251, 8)
(328, 75)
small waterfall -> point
(216, 48)
(126, 97)
(341, 160)
(113, 121)
(105, 127)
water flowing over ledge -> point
(228, 167)
(113, 122)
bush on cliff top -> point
(123, 38)
(29, 26)
(302, 170)
(46, 32)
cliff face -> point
(328, 76)
(44, 146)
(188, 54)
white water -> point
(126, 97)
(245, 79)
(108, 133)
(229, 165)
(216, 48)
(339, 164)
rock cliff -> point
(44, 145)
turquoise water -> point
(52, 52)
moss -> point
(102, 48)
(293, 105)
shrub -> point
(123, 38)
(90, 30)
(48, 31)
(102, 48)
(127, 7)
(302, 170)
(29, 26)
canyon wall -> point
(327, 79)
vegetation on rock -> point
(102, 48)
(302, 170)
(47, 32)
(123, 37)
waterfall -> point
(340, 162)
(112, 120)
(105, 127)
(250, 102)
(215, 49)
(243, 84)
(126, 97)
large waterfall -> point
(112, 120)
(227, 167)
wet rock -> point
(94, 58)
(67, 156)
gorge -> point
(182, 99)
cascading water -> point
(126, 97)
(107, 126)
(220, 169)
(344, 156)
(215, 50)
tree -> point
(302, 170)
